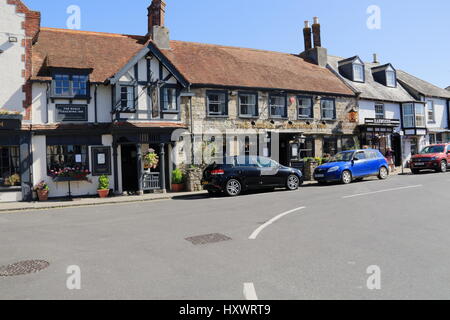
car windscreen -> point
(343, 156)
(433, 149)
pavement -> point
(320, 242)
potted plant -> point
(177, 180)
(42, 190)
(151, 160)
(13, 180)
(103, 186)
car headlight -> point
(334, 169)
(434, 158)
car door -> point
(359, 164)
(373, 162)
(248, 171)
(270, 173)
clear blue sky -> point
(414, 34)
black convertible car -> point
(233, 175)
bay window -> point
(413, 115)
(420, 115)
(278, 106)
(408, 115)
(430, 111)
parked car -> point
(435, 157)
(233, 175)
(352, 165)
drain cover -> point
(23, 267)
(208, 238)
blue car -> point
(348, 166)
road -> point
(315, 243)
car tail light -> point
(217, 172)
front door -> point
(129, 168)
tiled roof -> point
(105, 53)
(200, 64)
(206, 64)
(371, 89)
(422, 86)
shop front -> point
(15, 179)
(380, 134)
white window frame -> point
(391, 82)
(420, 117)
(310, 108)
(379, 115)
(130, 97)
(358, 72)
(408, 117)
(322, 109)
(432, 111)
(253, 108)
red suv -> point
(434, 157)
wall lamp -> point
(13, 39)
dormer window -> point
(358, 72)
(67, 85)
(385, 75)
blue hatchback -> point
(352, 165)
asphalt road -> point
(315, 243)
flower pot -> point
(177, 187)
(42, 195)
(103, 193)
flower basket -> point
(69, 174)
(151, 160)
(42, 195)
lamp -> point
(13, 39)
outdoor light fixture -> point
(12, 39)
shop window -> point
(330, 146)
(305, 108)
(278, 106)
(217, 103)
(248, 104)
(9, 167)
(67, 156)
(349, 143)
(328, 108)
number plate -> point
(419, 164)
(205, 183)
(320, 176)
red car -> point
(435, 157)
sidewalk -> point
(93, 201)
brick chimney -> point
(316, 33)
(156, 28)
(316, 55)
(307, 36)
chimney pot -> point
(316, 20)
(307, 24)
(307, 36)
(316, 33)
(375, 58)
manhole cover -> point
(23, 267)
(208, 238)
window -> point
(379, 111)
(358, 72)
(330, 146)
(127, 98)
(170, 99)
(328, 109)
(9, 166)
(217, 103)
(67, 156)
(408, 115)
(278, 106)
(360, 156)
(391, 80)
(430, 111)
(420, 115)
(305, 108)
(66, 85)
(248, 105)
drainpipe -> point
(46, 103)
(95, 103)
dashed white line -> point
(250, 292)
(265, 225)
(381, 191)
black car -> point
(233, 175)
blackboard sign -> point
(101, 161)
(71, 112)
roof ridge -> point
(233, 47)
(90, 32)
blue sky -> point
(413, 36)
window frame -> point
(431, 120)
(248, 93)
(225, 112)
(13, 165)
(71, 91)
(84, 165)
(409, 115)
(423, 116)
(310, 98)
(322, 109)
(133, 90)
(377, 113)
(394, 73)
(163, 102)
(358, 64)
(281, 95)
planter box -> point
(69, 179)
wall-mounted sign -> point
(101, 161)
(71, 112)
(386, 122)
(10, 124)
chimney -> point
(316, 33)
(307, 36)
(156, 13)
(156, 29)
(316, 55)
(375, 59)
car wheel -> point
(293, 182)
(346, 177)
(443, 166)
(233, 188)
(384, 173)
(415, 171)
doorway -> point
(129, 168)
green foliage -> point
(103, 183)
(151, 160)
(177, 176)
(42, 186)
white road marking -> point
(249, 292)
(265, 225)
(381, 191)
